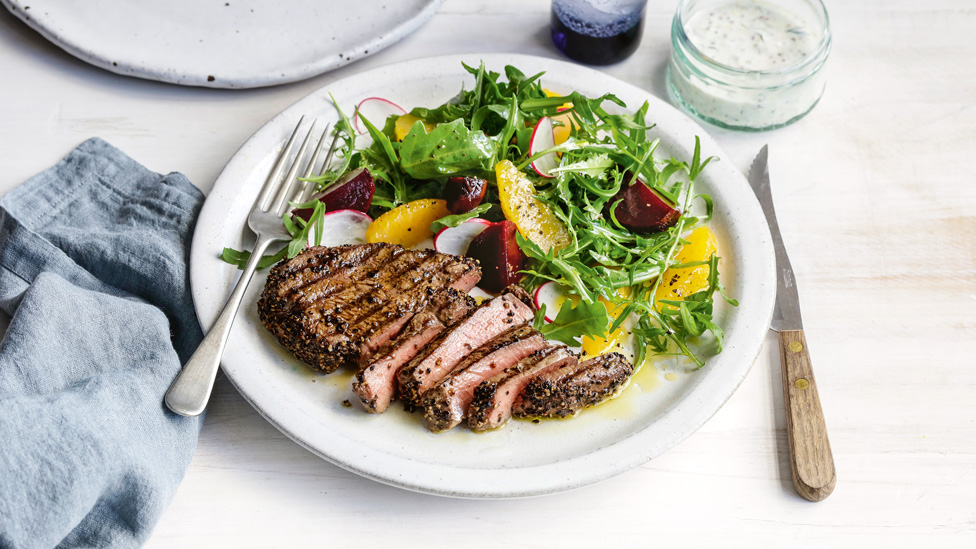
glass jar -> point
(748, 65)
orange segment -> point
(562, 124)
(562, 127)
(533, 218)
(405, 122)
(407, 224)
(677, 284)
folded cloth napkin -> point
(93, 271)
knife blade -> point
(811, 460)
(786, 315)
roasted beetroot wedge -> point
(353, 191)
(464, 194)
(499, 254)
(642, 210)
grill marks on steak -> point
(384, 322)
(569, 389)
(331, 273)
(318, 272)
(494, 398)
(446, 404)
(451, 347)
(332, 306)
(376, 382)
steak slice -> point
(332, 306)
(444, 353)
(493, 399)
(376, 381)
(382, 323)
(568, 390)
(446, 404)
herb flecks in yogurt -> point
(748, 65)
(751, 36)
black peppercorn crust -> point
(333, 306)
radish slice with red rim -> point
(376, 110)
(341, 227)
(552, 295)
(456, 240)
(542, 139)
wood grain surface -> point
(875, 196)
(812, 463)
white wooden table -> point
(876, 195)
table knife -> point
(812, 462)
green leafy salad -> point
(599, 218)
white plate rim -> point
(703, 401)
(120, 64)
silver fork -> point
(190, 391)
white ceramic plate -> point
(523, 458)
(223, 44)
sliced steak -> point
(446, 404)
(376, 382)
(332, 306)
(444, 353)
(384, 322)
(493, 399)
(568, 390)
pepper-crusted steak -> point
(335, 306)
(376, 381)
(566, 391)
(494, 398)
(440, 357)
(446, 403)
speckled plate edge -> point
(720, 379)
(282, 75)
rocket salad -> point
(597, 214)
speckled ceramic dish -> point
(222, 44)
(653, 414)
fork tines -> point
(283, 189)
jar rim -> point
(818, 55)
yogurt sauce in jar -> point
(748, 64)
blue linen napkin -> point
(93, 271)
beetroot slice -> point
(642, 210)
(353, 191)
(499, 254)
(464, 194)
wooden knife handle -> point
(810, 457)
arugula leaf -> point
(456, 219)
(572, 323)
(448, 149)
(297, 227)
(241, 257)
(593, 166)
(540, 317)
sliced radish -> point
(341, 227)
(542, 139)
(376, 110)
(551, 295)
(425, 244)
(455, 240)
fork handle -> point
(812, 462)
(190, 391)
